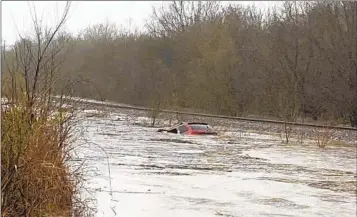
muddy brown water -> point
(157, 174)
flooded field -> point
(161, 175)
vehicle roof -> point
(189, 123)
(200, 123)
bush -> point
(36, 178)
(322, 137)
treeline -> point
(287, 63)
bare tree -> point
(234, 60)
(180, 15)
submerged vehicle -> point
(192, 128)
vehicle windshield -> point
(201, 127)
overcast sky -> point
(16, 15)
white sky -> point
(16, 16)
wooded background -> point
(289, 63)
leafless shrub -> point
(286, 133)
(322, 137)
(301, 136)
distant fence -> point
(124, 106)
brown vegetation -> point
(297, 62)
(322, 137)
(36, 176)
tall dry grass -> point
(37, 177)
(35, 162)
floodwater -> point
(160, 175)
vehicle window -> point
(201, 127)
(182, 129)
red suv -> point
(191, 129)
